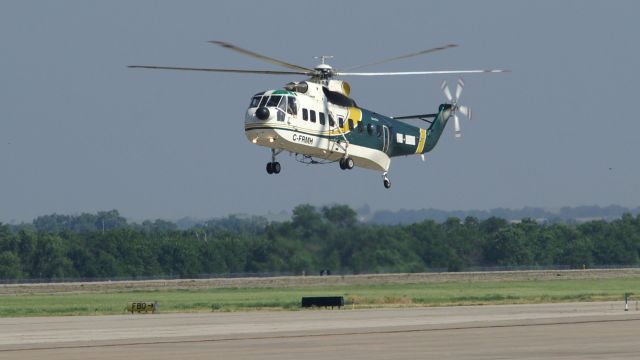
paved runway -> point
(559, 331)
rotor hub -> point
(324, 71)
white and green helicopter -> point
(316, 120)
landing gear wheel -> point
(348, 163)
(386, 181)
(273, 167)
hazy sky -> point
(80, 132)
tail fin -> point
(437, 127)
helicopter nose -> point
(262, 113)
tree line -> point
(106, 245)
(564, 214)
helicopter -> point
(318, 121)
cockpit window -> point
(293, 106)
(274, 101)
(255, 101)
(263, 102)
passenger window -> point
(255, 101)
(360, 127)
(340, 122)
(321, 118)
(263, 102)
(370, 129)
(274, 101)
(378, 130)
(293, 106)
(305, 115)
(332, 122)
(350, 122)
(313, 115)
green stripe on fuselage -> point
(283, 92)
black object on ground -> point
(323, 301)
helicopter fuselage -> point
(308, 124)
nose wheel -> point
(386, 181)
(273, 167)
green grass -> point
(397, 295)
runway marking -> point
(320, 335)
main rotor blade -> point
(241, 71)
(422, 52)
(260, 56)
(437, 72)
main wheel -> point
(342, 164)
(276, 167)
(270, 168)
(387, 183)
(348, 163)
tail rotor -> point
(455, 105)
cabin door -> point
(385, 138)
